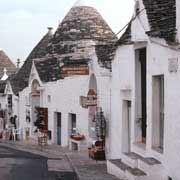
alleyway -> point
(19, 165)
(25, 159)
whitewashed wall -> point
(121, 88)
(65, 98)
(158, 63)
(123, 78)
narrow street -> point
(19, 165)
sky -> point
(24, 22)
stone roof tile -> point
(162, 18)
(5, 62)
(81, 23)
(20, 80)
(48, 69)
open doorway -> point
(141, 95)
(58, 128)
(35, 99)
(72, 124)
(92, 94)
(35, 110)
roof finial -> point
(50, 29)
(18, 63)
(80, 3)
(5, 76)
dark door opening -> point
(73, 123)
(142, 59)
(59, 128)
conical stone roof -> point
(20, 80)
(81, 23)
(6, 63)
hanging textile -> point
(100, 125)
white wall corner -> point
(34, 75)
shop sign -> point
(173, 65)
(90, 100)
(75, 70)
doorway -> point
(141, 95)
(72, 124)
(126, 126)
(35, 100)
(92, 109)
(58, 115)
(142, 59)
(158, 112)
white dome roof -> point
(5, 76)
(80, 3)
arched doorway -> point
(35, 99)
(92, 109)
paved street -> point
(19, 165)
(55, 162)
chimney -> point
(137, 7)
(50, 29)
(18, 63)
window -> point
(27, 100)
(49, 98)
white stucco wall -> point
(3, 101)
(123, 87)
(65, 98)
(123, 84)
(158, 63)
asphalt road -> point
(19, 165)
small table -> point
(74, 143)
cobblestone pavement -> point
(88, 169)
(65, 162)
(20, 165)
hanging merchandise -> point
(97, 150)
(100, 124)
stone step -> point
(150, 165)
(131, 159)
(123, 171)
(147, 164)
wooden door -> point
(43, 113)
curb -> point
(42, 152)
(72, 166)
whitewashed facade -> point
(150, 91)
(62, 96)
